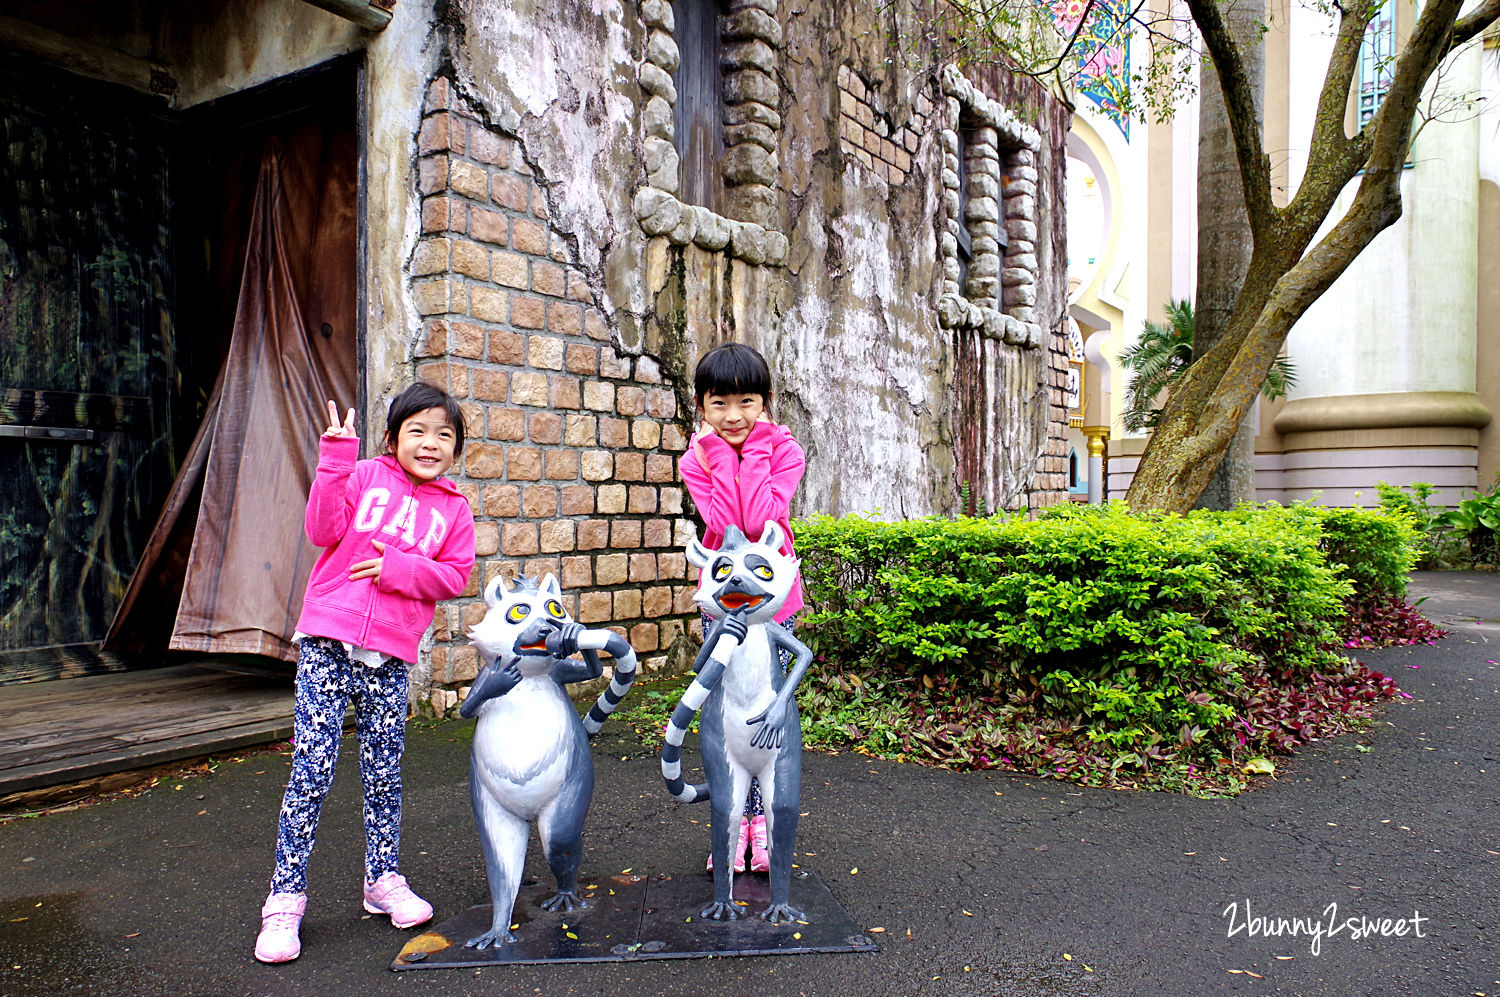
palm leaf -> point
(1160, 356)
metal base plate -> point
(632, 917)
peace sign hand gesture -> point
(346, 430)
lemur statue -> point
(531, 758)
(750, 726)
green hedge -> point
(1139, 638)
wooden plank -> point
(45, 664)
(86, 730)
(40, 742)
(72, 769)
(134, 685)
(697, 132)
(134, 716)
(372, 14)
(104, 715)
(80, 55)
(35, 694)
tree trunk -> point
(1224, 237)
(1284, 276)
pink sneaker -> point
(390, 895)
(760, 859)
(280, 919)
(739, 848)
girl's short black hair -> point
(419, 398)
(732, 369)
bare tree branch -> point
(1328, 125)
(1390, 132)
(1072, 41)
(1466, 28)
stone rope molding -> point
(752, 132)
(1009, 282)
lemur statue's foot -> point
(721, 912)
(782, 914)
(565, 900)
(494, 938)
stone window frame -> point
(999, 297)
(752, 45)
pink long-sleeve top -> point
(745, 488)
(428, 532)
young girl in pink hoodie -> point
(396, 538)
(742, 470)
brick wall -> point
(570, 465)
(1050, 486)
(866, 131)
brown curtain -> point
(250, 466)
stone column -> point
(1098, 437)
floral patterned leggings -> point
(327, 680)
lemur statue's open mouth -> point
(533, 640)
(734, 600)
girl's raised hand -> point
(336, 430)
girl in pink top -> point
(742, 470)
(396, 538)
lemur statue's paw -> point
(563, 642)
(734, 626)
(720, 912)
(769, 734)
(564, 901)
(494, 938)
(782, 914)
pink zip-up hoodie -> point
(428, 530)
(747, 488)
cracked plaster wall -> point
(894, 411)
(866, 377)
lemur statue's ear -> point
(697, 554)
(773, 535)
(494, 590)
(550, 587)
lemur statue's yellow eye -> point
(721, 571)
(764, 571)
(555, 609)
(518, 612)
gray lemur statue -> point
(531, 758)
(750, 728)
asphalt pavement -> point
(984, 884)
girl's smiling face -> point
(732, 416)
(424, 446)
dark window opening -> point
(697, 120)
(965, 240)
(1002, 236)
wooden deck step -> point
(71, 730)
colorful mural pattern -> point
(1101, 52)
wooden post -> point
(372, 14)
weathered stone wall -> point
(567, 292)
(525, 243)
(895, 410)
(570, 463)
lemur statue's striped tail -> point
(624, 674)
(682, 719)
